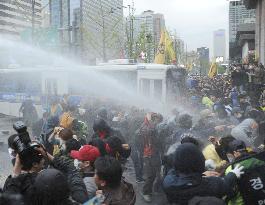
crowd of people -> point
(211, 151)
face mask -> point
(77, 164)
(230, 159)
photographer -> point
(30, 161)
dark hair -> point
(185, 121)
(190, 140)
(189, 159)
(72, 144)
(109, 169)
(100, 125)
(223, 146)
(50, 188)
(29, 158)
(66, 134)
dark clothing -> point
(20, 185)
(152, 168)
(181, 188)
(239, 78)
(75, 180)
(150, 148)
(24, 182)
(124, 194)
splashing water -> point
(87, 80)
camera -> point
(22, 142)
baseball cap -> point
(86, 153)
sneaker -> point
(147, 198)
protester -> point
(149, 141)
(250, 187)
(84, 161)
(185, 181)
(108, 177)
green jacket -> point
(248, 163)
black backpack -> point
(252, 183)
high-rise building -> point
(238, 14)
(151, 25)
(45, 14)
(259, 6)
(102, 32)
(93, 30)
(219, 45)
(16, 16)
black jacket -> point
(75, 180)
(22, 184)
(181, 188)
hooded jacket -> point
(180, 188)
(245, 132)
(186, 181)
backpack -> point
(252, 184)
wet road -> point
(6, 167)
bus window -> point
(146, 87)
(158, 89)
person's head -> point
(50, 188)
(236, 149)
(108, 172)
(31, 160)
(189, 138)
(85, 157)
(256, 115)
(71, 144)
(102, 113)
(205, 114)
(185, 121)
(66, 134)
(189, 159)
(221, 113)
(237, 112)
(223, 145)
(100, 125)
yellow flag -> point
(169, 47)
(160, 55)
(213, 70)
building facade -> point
(91, 29)
(17, 16)
(239, 14)
(259, 6)
(219, 45)
(102, 29)
(148, 25)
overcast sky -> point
(194, 20)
